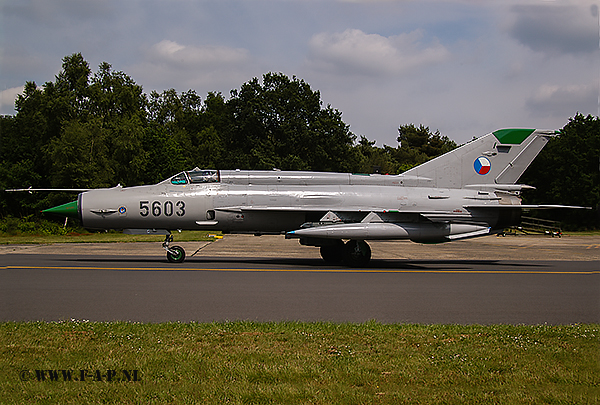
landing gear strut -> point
(357, 253)
(175, 254)
(333, 253)
(354, 253)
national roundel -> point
(482, 165)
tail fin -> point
(497, 158)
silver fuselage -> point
(278, 202)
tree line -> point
(91, 129)
(567, 172)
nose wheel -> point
(175, 254)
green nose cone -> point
(66, 210)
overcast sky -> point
(462, 67)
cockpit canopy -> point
(196, 176)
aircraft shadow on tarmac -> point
(309, 263)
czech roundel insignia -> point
(482, 165)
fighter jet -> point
(468, 192)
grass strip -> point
(298, 363)
(103, 237)
(118, 237)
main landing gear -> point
(354, 253)
(175, 254)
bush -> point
(37, 226)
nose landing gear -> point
(175, 254)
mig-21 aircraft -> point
(468, 192)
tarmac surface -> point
(512, 279)
(521, 247)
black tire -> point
(357, 253)
(178, 256)
(333, 253)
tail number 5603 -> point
(157, 208)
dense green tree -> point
(567, 171)
(80, 156)
(117, 103)
(418, 145)
(69, 96)
(177, 135)
(30, 131)
(99, 142)
(165, 156)
(282, 123)
(17, 167)
(24, 140)
(375, 159)
(113, 96)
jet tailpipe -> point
(417, 232)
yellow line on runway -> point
(304, 270)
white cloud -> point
(168, 64)
(8, 97)
(181, 56)
(355, 52)
(564, 100)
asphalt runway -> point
(276, 285)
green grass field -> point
(298, 363)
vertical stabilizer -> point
(497, 158)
